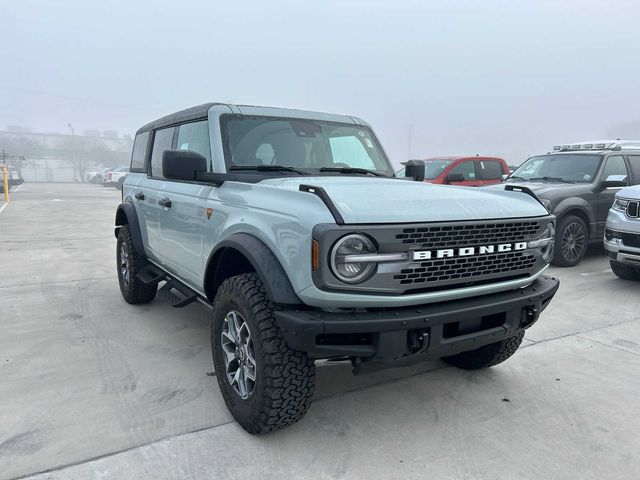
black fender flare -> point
(126, 215)
(263, 261)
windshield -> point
(433, 168)
(304, 145)
(574, 168)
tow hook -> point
(418, 340)
(530, 316)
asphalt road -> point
(91, 387)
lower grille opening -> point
(345, 339)
(455, 329)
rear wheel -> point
(487, 356)
(571, 241)
(129, 263)
(625, 271)
(265, 384)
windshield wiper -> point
(516, 176)
(268, 168)
(351, 170)
(550, 179)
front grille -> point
(633, 209)
(428, 274)
(446, 236)
(631, 240)
(509, 263)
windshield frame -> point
(387, 172)
(522, 178)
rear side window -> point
(634, 162)
(491, 170)
(139, 152)
(195, 137)
(162, 140)
(467, 169)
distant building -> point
(64, 158)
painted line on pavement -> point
(3, 207)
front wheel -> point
(571, 241)
(487, 356)
(625, 272)
(265, 384)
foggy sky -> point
(490, 77)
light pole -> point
(73, 151)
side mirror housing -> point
(615, 181)
(415, 169)
(182, 164)
(455, 178)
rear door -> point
(491, 171)
(468, 170)
(182, 223)
(151, 191)
(634, 164)
(131, 191)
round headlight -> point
(344, 261)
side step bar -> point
(177, 294)
(174, 292)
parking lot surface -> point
(91, 387)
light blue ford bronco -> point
(291, 227)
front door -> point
(184, 211)
(614, 165)
(468, 170)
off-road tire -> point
(563, 224)
(285, 378)
(625, 271)
(487, 356)
(134, 291)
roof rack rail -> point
(598, 145)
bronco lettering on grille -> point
(468, 251)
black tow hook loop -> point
(531, 316)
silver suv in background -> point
(622, 234)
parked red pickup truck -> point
(467, 171)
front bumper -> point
(400, 336)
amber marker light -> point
(314, 256)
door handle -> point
(139, 195)
(165, 202)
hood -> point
(389, 200)
(547, 189)
(629, 192)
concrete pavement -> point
(91, 387)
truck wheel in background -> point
(487, 356)
(265, 384)
(625, 271)
(571, 241)
(129, 263)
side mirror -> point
(182, 164)
(455, 178)
(415, 169)
(615, 181)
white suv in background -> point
(115, 178)
(622, 234)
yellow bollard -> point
(5, 175)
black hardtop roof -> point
(186, 115)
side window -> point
(195, 137)
(615, 166)
(139, 152)
(634, 162)
(467, 169)
(162, 141)
(350, 151)
(491, 170)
